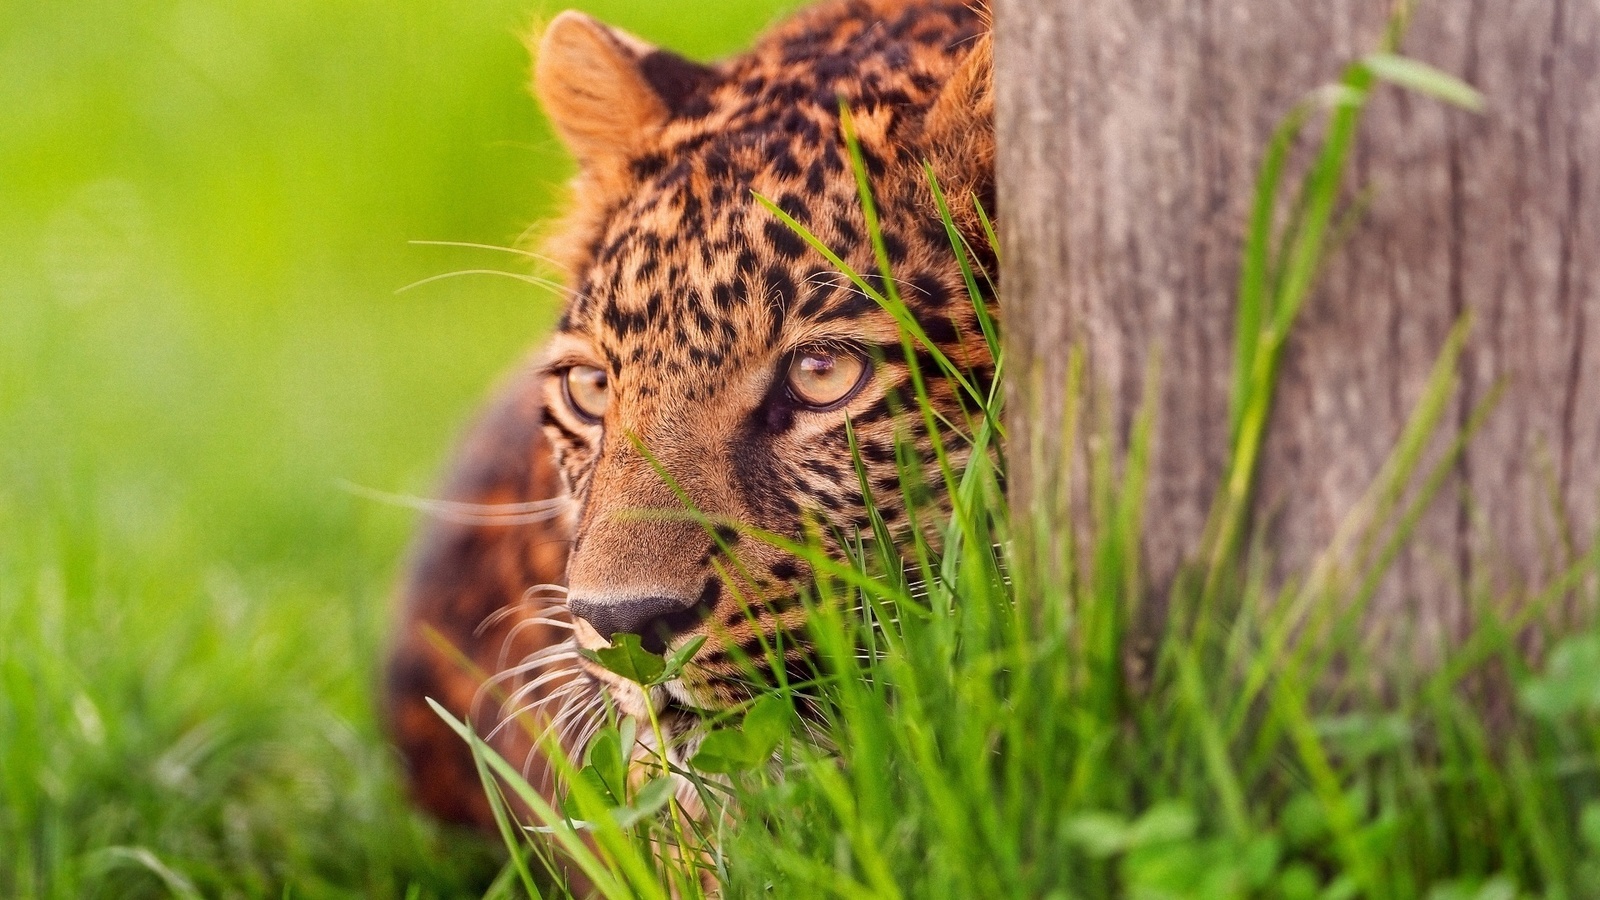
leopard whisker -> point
(549, 656)
(568, 713)
(573, 696)
(534, 280)
(530, 665)
(495, 618)
(519, 628)
(510, 717)
(463, 513)
(591, 727)
(518, 251)
(504, 612)
(554, 623)
(563, 649)
(527, 690)
(500, 678)
(575, 700)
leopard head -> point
(699, 385)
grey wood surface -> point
(1129, 136)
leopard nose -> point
(654, 619)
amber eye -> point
(588, 392)
(824, 379)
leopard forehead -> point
(687, 274)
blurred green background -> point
(205, 216)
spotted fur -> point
(692, 298)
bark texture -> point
(1129, 137)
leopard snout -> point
(654, 619)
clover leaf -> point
(727, 751)
(627, 658)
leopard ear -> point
(958, 132)
(605, 90)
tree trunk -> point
(1129, 139)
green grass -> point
(979, 735)
(205, 211)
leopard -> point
(713, 377)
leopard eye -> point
(825, 379)
(588, 392)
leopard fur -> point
(690, 298)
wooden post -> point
(1129, 136)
